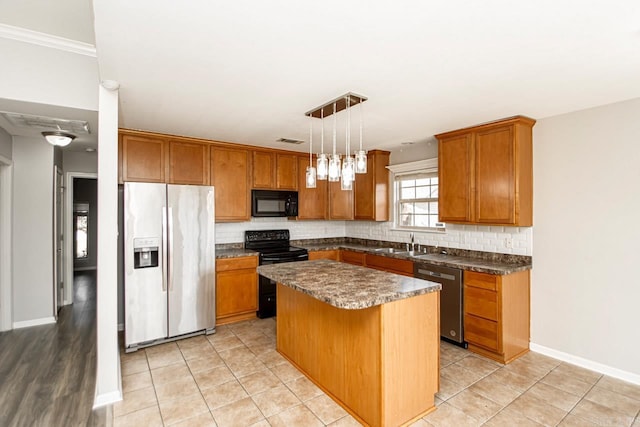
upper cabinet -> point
(272, 170)
(143, 158)
(371, 201)
(230, 175)
(188, 163)
(340, 202)
(486, 173)
(312, 202)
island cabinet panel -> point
(496, 314)
(236, 289)
(378, 369)
(486, 173)
(392, 265)
(188, 163)
(331, 254)
(351, 257)
(230, 175)
(312, 202)
(143, 158)
(340, 202)
(371, 198)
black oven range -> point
(273, 248)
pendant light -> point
(348, 170)
(311, 171)
(361, 155)
(322, 160)
(334, 160)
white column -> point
(108, 379)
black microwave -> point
(274, 203)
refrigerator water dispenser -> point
(145, 252)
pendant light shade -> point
(311, 177)
(361, 161)
(323, 166)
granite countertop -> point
(234, 253)
(344, 285)
(502, 265)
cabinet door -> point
(143, 159)
(495, 176)
(286, 172)
(236, 292)
(454, 172)
(312, 202)
(230, 177)
(340, 202)
(264, 169)
(188, 163)
(372, 189)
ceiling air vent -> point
(290, 141)
(77, 127)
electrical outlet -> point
(508, 242)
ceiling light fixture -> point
(58, 138)
(331, 167)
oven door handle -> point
(288, 259)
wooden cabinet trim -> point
(351, 257)
(394, 265)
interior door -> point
(191, 221)
(58, 243)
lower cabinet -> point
(330, 254)
(351, 257)
(236, 289)
(496, 314)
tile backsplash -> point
(506, 240)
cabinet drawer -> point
(393, 265)
(350, 257)
(481, 302)
(227, 264)
(481, 332)
(331, 254)
(481, 280)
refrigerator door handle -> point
(164, 250)
(170, 245)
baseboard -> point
(34, 322)
(587, 364)
(107, 399)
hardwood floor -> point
(47, 373)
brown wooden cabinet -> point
(312, 202)
(392, 265)
(340, 202)
(496, 314)
(143, 158)
(230, 175)
(329, 254)
(486, 173)
(371, 198)
(188, 163)
(236, 289)
(273, 170)
(352, 257)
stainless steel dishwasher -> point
(451, 320)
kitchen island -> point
(369, 339)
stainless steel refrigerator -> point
(169, 262)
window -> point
(416, 196)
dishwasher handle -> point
(430, 273)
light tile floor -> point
(236, 378)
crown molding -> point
(47, 40)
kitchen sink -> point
(390, 251)
(434, 257)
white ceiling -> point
(247, 71)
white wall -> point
(585, 289)
(80, 161)
(6, 144)
(33, 230)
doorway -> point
(81, 224)
(6, 239)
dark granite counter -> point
(234, 253)
(344, 285)
(499, 264)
